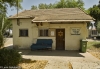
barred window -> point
(23, 32)
(94, 32)
(43, 32)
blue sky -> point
(28, 3)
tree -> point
(33, 7)
(5, 3)
(95, 13)
(45, 6)
(70, 4)
(2, 27)
(80, 4)
(62, 4)
(42, 6)
(98, 26)
(4, 22)
(51, 6)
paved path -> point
(9, 43)
(91, 40)
(61, 59)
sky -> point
(26, 4)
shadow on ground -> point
(48, 52)
(51, 53)
(9, 47)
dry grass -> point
(94, 48)
(33, 64)
(70, 65)
(96, 54)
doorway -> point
(60, 39)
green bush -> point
(9, 57)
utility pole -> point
(18, 22)
(17, 8)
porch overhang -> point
(55, 21)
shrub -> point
(9, 57)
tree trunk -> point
(1, 41)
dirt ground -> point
(93, 47)
(95, 52)
(33, 64)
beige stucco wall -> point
(72, 42)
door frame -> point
(64, 37)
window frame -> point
(44, 33)
(25, 34)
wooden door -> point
(60, 39)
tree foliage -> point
(10, 2)
(33, 7)
(95, 13)
(45, 6)
(61, 4)
(5, 3)
(70, 4)
(98, 26)
(4, 25)
(4, 22)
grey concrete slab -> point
(84, 65)
(8, 43)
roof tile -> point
(54, 14)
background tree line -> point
(60, 4)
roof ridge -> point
(83, 11)
(52, 9)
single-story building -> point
(65, 26)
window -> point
(23, 32)
(94, 32)
(43, 32)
